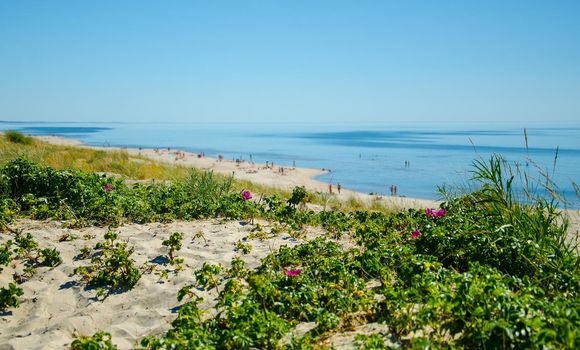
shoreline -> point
(285, 178)
(259, 174)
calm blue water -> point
(365, 158)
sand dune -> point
(56, 308)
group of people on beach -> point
(393, 190)
(179, 155)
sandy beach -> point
(56, 308)
(287, 180)
(268, 175)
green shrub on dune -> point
(17, 137)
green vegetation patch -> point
(17, 137)
(481, 271)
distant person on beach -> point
(338, 188)
(330, 188)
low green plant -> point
(85, 253)
(186, 291)
(238, 268)
(488, 270)
(26, 245)
(298, 197)
(98, 341)
(9, 296)
(174, 243)
(111, 266)
(28, 248)
(370, 342)
(5, 253)
(49, 257)
(27, 273)
(243, 247)
(208, 275)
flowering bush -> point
(416, 234)
(435, 213)
(292, 273)
(486, 276)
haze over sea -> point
(365, 157)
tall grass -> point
(89, 160)
(529, 204)
(207, 186)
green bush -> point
(17, 137)
(9, 296)
(111, 266)
(98, 341)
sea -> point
(418, 159)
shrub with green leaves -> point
(111, 266)
(17, 137)
(9, 296)
(5, 253)
(299, 196)
(208, 275)
(173, 242)
(27, 248)
(98, 341)
(49, 257)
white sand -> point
(55, 308)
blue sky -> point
(300, 61)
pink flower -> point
(108, 187)
(416, 234)
(292, 273)
(246, 195)
(435, 213)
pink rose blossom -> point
(108, 187)
(246, 195)
(292, 273)
(435, 213)
(416, 234)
